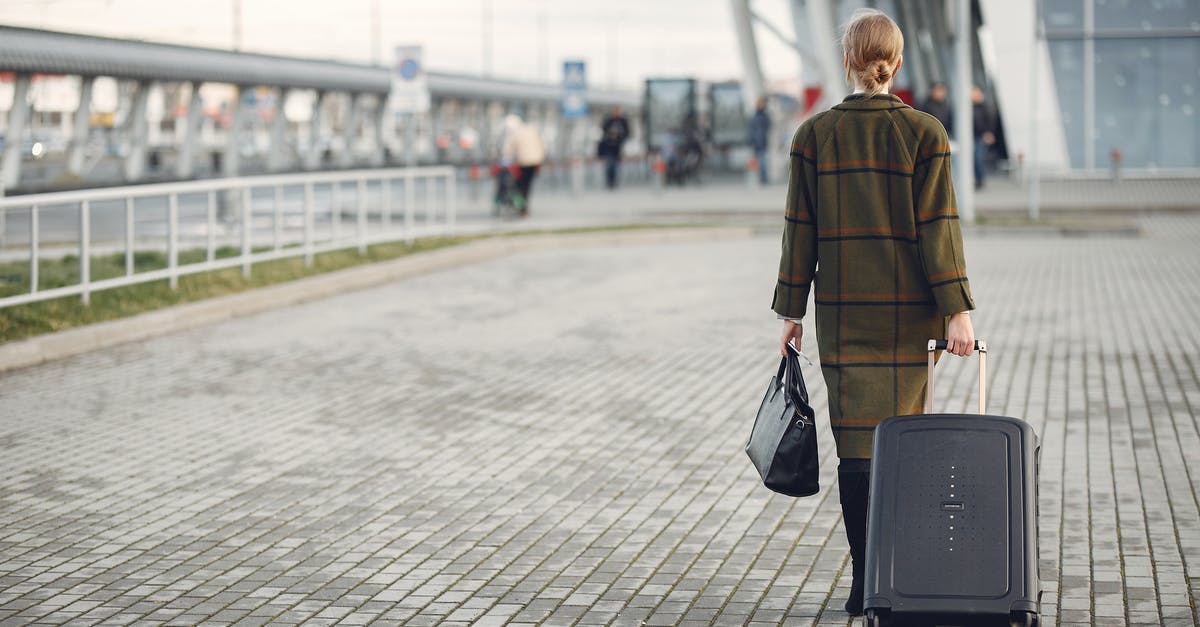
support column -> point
(487, 143)
(312, 160)
(83, 122)
(1089, 85)
(135, 130)
(185, 167)
(437, 111)
(379, 154)
(748, 49)
(915, 60)
(938, 20)
(964, 186)
(350, 130)
(821, 32)
(925, 42)
(231, 165)
(276, 158)
(14, 141)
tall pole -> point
(487, 37)
(1032, 172)
(964, 115)
(376, 34)
(543, 44)
(611, 43)
(237, 25)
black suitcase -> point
(952, 522)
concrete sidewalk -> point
(556, 438)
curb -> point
(53, 346)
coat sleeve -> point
(938, 232)
(798, 263)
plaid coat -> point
(871, 220)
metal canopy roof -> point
(50, 52)
(30, 50)
(444, 85)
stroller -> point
(684, 156)
(508, 201)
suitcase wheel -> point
(872, 619)
(1024, 619)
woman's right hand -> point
(791, 331)
(960, 335)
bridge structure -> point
(180, 112)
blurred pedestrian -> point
(883, 169)
(614, 131)
(985, 132)
(939, 107)
(523, 146)
(760, 133)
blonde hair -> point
(873, 43)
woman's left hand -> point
(791, 331)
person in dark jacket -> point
(614, 131)
(937, 106)
(870, 199)
(760, 133)
(984, 120)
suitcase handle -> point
(937, 345)
(940, 345)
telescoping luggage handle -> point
(940, 345)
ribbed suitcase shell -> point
(952, 523)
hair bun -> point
(881, 72)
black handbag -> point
(783, 444)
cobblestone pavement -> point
(556, 438)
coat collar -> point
(863, 102)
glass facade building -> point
(1128, 70)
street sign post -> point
(410, 95)
(575, 109)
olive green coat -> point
(871, 221)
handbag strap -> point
(796, 390)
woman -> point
(871, 201)
(523, 146)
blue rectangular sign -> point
(574, 90)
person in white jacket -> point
(523, 146)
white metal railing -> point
(375, 214)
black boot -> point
(854, 481)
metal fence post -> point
(33, 249)
(278, 217)
(335, 209)
(385, 203)
(308, 224)
(451, 201)
(430, 200)
(247, 216)
(129, 234)
(410, 199)
(212, 227)
(173, 240)
(85, 251)
(362, 216)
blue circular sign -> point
(409, 69)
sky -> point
(623, 41)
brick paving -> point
(556, 438)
